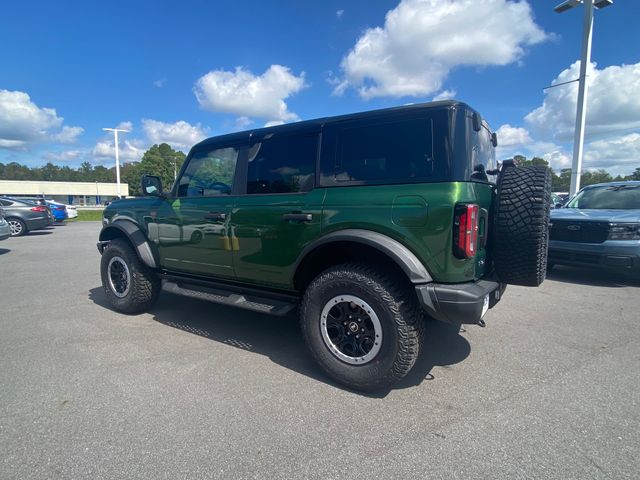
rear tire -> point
(353, 299)
(521, 225)
(130, 286)
(17, 227)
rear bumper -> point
(618, 255)
(461, 302)
(37, 223)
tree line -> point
(162, 160)
(561, 181)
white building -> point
(78, 193)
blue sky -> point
(180, 71)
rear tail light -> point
(465, 230)
(38, 208)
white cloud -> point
(422, 40)
(242, 93)
(179, 134)
(339, 14)
(128, 125)
(273, 123)
(243, 122)
(65, 156)
(613, 102)
(510, 136)
(68, 134)
(445, 95)
(128, 150)
(23, 123)
(160, 82)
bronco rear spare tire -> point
(521, 225)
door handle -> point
(297, 217)
(215, 216)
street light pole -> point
(115, 138)
(585, 60)
(581, 112)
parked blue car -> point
(58, 211)
(599, 227)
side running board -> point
(248, 302)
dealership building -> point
(73, 193)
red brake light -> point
(38, 208)
(465, 234)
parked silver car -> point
(5, 232)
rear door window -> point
(282, 164)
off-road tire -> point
(144, 286)
(521, 225)
(23, 230)
(397, 308)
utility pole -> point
(115, 135)
(585, 59)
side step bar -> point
(248, 302)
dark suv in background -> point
(366, 222)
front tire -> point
(130, 286)
(362, 327)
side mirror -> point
(559, 205)
(151, 185)
(476, 120)
(494, 139)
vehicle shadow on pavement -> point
(280, 339)
(38, 233)
(4, 250)
(590, 277)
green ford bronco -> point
(365, 223)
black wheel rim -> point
(351, 329)
(119, 277)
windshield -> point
(615, 197)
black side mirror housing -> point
(151, 185)
(476, 120)
(494, 139)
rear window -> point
(483, 154)
(387, 151)
(379, 151)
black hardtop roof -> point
(316, 123)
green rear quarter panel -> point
(419, 215)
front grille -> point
(579, 231)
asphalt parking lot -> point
(549, 389)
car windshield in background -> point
(612, 197)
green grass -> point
(87, 216)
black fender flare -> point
(137, 238)
(403, 257)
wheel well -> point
(336, 253)
(113, 233)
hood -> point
(596, 215)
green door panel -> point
(265, 245)
(191, 235)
